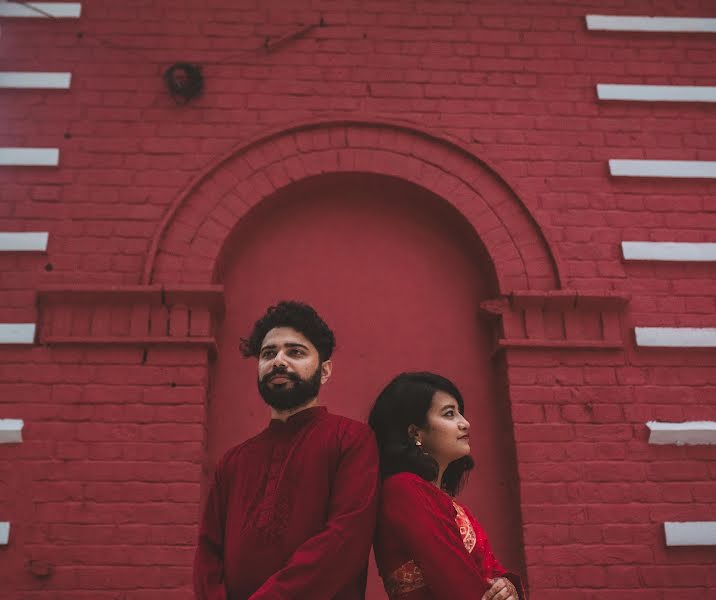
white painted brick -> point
(662, 168)
(670, 251)
(4, 533)
(676, 337)
(18, 79)
(11, 431)
(690, 533)
(642, 23)
(30, 241)
(29, 157)
(656, 93)
(58, 10)
(689, 433)
(17, 333)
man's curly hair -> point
(297, 315)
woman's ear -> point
(415, 434)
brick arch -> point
(189, 241)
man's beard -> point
(286, 397)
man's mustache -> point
(283, 373)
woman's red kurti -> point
(428, 547)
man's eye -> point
(267, 354)
(296, 353)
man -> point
(291, 512)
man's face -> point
(290, 372)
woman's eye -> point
(450, 413)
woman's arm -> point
(424, 520)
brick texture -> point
(491, 105)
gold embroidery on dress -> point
(466, 529)
(404, 579)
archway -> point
(193, 232)
(398, 274)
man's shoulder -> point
(345, 422)
(347, 427)
(236, 452)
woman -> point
(427, 546)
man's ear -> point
(326, 370)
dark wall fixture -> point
(184, 81)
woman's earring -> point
(418, 443)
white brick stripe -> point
(640, 23)
(662, 168)
(672, 251)
(4, 533)
(29, 157)
(30, 80)
(656, 93)
(689, 432)
(676, 337)
(35, 241)
(11, 431)
(690, 533)
(17, 333)
(59, 10)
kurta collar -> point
(297, 421)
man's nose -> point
(279, 360)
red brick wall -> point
(104, 491)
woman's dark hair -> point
(405, 401)
(296, 315)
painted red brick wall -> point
(103, 494)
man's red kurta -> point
(291, 513)
(429, 547)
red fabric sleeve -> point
(425, 522)
(325, 563)
(491, 567)
(490, 564)
(208, 560)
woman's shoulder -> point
(407, 501)
(406, 485)
(405, 480)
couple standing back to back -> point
(292, 512)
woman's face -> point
(446, 436)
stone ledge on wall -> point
(129, 314)
(557, 319)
